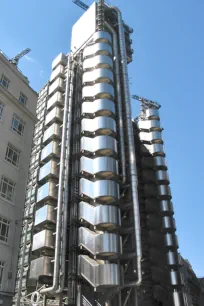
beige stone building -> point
(17, 119)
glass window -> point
(23, 99)
(4, 81)
(4, 229)
(7, 188)
(17, 125)
(1, 271)
(1, 109)
(12, 155)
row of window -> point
(17, 124)
(5, 82)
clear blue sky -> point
(168, 67)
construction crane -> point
(81, 4)
(16, 58)
(145, 103)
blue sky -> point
(168, 67)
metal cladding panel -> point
(43, 239)
(162, 176)
(97, 76)
(99, 125)
(152, 113)
(101, 36)
(164, 192)
(47, 190)
(175, 278)
(58, 84)
(60, 59)
(169, 224)
(103, 107)
(153, 149)
(149, 125)
(105, 190)
(51, 149)
(100, 48)
(104, 244)
(84, 28)
(49, 169)
(98, 61)
(98, 275)
(57, 98)
(177, 298)
(100, 165)
(54, 115)
(160, 161)
(52, 132)
(99, 143)
(171, 241)
(59, 71)
(166, 207)
(98, 91)
(153, 137)
(103, 215)
(45, 214)
(41, 267)
(172, 259)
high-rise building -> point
(100, 229)
(17, 119)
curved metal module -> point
(99, 188)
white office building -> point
(17, 119)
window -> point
(1, 109)
(1, 272)
(17, 125)
(4, 229)
(12, 155)
(23, 99)
(7, 188)
(4, 81)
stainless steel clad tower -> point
(99, 227)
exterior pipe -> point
(67, 111)
(131, 150)
(119, 100)
(66, 188)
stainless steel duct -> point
(119, 100)
(131, 147)
(66, 127)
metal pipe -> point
(131, 147)
(66, 187)
(67, 113)
(119, 100)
